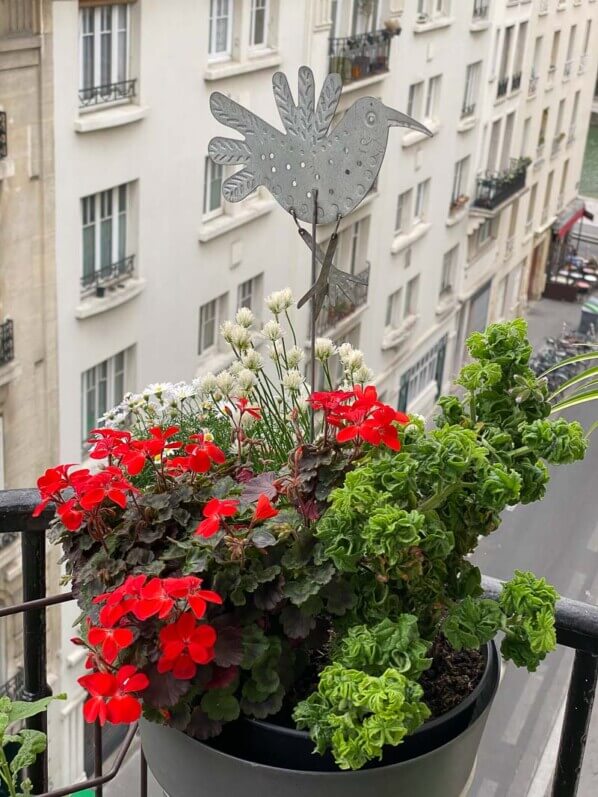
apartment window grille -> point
(258, 27)
(220, 29)
(104, 238)
(104, 56)
(213, 202)
(103, 387)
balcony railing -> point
(502, 87)
(467, 110)
(19, 17)
(3, 136)
(105, 277)
(567, 69)
(533, 85)
(356, 296)
(480, 9)
(576, 626)
(361, 56)
(495, 188)
(7, 342)
(583, 62)
(13, 688)
(516, 81)
(123, 91)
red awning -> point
(574, 211)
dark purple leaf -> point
(164, 689)
(258, 485)
(202, 727)
(262, 538)
(228, 650)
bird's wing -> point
(239, 185)
(327, 104)
(285, 103)
(306, 103)
(228, 151)
(231, 114)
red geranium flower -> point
(106, 442)
(154, 446)
(263, 509)
(153, 599)
(54, 481)
(110, 640)
(243, 406)
(185, 645)
(189, 587)
(111, 699)
(328, 400)
(109, 483)
(71, 518)
(214, 511)
(203, 453)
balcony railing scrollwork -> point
(13, 688)
(97, 281)
(480, 9)
(502, 87)
(354, 296)
(7, 342)
(360, 56)
(495, 188)
(516, 81)
(123, 91)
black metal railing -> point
(13, 688)
(98, 281)
(19, 17)
(576, 624)
(123, 91)
(516, 81)
(467, 110)
(3, 136)
(480, 9)
(7, 342)
(361, 56)
(354, 296)
(494, 188)
(502, 87)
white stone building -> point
(150, 259)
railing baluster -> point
(574, 733)
(142, 774)
(98, 759)
(35, 686)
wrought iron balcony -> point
(480, 9)
(97, 281)
(3, 136)
(123, 91)
(533, 85)
(567, 69)
(357, 297)
(516, 81)
(13, 688)
(7, 342)
(502, 87)
(576, 625)
(495, 188)
(467, 110)
(361, 56)
(19, 18)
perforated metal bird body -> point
(341, 165)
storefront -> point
(565, 277)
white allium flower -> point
(279, 301)
(240, 337)
(226, 382)
(206, 384)
(253, 360)
(294, 356)
(363, 375)
(245, 317)
(344, 350)
(272, 331)
(246, 380)
(226, 330)
(235, 368)
(353, 361)
(293, 381)
(324, 349)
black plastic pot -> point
(264, 759)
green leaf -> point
(262, 538)
(32, 744)
(219, 704)
(581, 377)
(589, 355)
(20, 710)
(580, 398)
(592, 429)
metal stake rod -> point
(98, 756)
(314, 269)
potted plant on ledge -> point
(296, 615)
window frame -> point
(226, 54)
(403, 212)
(210, 167)
(415, 98)
(433, 92)
(420, 208)
(411, 297)
(447, 275)
(394, 307)
(118, 58)
(252, 24)
(97, 210)
(106, 371)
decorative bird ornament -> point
(340, 165)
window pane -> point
(87, 47)
(89, 250)
(258, 22)
(119, 378)
(102, 393)
(106, 46)
(215, 186)
(122, 222)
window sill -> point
(446, 304)
(457, 216)
(110, 117)
(223, 69)
(366, 81)
(7, 168)
(213, 362)
(415, 137)
(222, 224)
(433, 24)
(94, 305)
(466, 124)
(9, 372)
(395, 336)
(477, 27)
(404, 240)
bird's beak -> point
(396, 118)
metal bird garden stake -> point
(316, 174)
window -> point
(432, 97)
(449, 263)
(459, 182)
(543, 126)
(531, 206)
(527, 125)
(411, 297)
(213, 202)
(547, 194)
(403, 210)
(103, 387)
(433, 8)
(537, 55)
(554, 50)
(209, 322)
(220, 32)
(355, 240)
(104, 233)
(421, 201)
(364, 17)
(1, 452)
(472, 78)
(574, 111)
(249, 294)
(258, 33)
(393, 308)
(564, 175)
(104, 54)
(586, 38)
(428, 369)
(414, 101)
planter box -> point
(261, 759)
